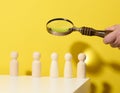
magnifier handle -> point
(92, 32)
(101, 33)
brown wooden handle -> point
(93, 32)
(101, 33)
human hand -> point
(113, 38)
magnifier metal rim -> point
(59, 19)
(59, 33)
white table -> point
(29, 84)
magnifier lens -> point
(60, 25)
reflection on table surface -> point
(29, 84)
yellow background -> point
(23, 29)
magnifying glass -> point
(62, 26)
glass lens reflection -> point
(60, 26)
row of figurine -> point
(36, 65)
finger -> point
(116, 43)
(110, 38)
(112, 27)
